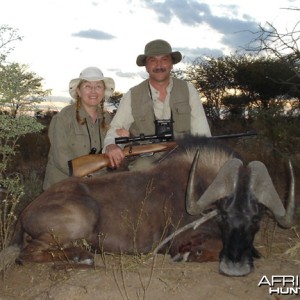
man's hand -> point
(122, 132)
(114, 152)
(115, 155)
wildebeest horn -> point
(222, 186)
(262, 187)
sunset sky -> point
(62, 37)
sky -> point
(62, 37)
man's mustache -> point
(159, 70)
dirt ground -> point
(124, 278)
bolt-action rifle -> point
(143, 145)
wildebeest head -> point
(243, 193)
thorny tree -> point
(283, 45)
(8, 35)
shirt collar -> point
(169, 87)
(83, 113)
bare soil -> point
(129, 277)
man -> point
(160, 97)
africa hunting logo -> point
(281, 284)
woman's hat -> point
(158, 47)
(92, 74)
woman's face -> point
(91, 93)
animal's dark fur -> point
(130, 212)
(122, 212)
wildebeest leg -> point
(209, 250)
(199, 249)
(40, 251)
(77, 255)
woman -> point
(79, 128)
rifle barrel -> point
(236, 135)
(167, 137)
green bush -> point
(12, 188)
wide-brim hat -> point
(92, 74)
(158, 47)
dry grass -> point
(293, 253)
(273, 241)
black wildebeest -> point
(131, 212)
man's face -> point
(159, 67)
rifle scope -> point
(142, 137)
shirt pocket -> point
(182, 118)
(79, 141)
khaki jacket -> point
(69, 139)
(143, 113)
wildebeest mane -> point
(214, 153)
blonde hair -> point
(79, 119)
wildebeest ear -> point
(263, 189)
(222, 186)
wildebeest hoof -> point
(84, 260)
(181, 257)
(19, 262)
(87, 261)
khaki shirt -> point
(69, 139)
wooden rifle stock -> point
(87, 164)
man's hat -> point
(158, 47)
